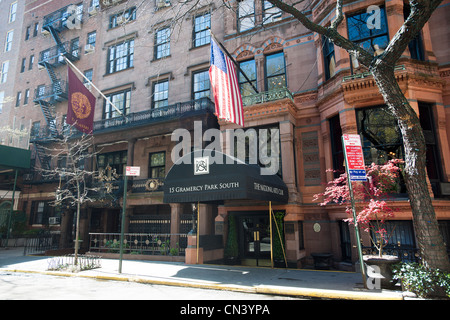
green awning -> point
(14, 158)
(220, 177)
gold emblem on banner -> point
(80, 105)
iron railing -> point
(404, 253)
(153, 115)
(139, 243)
(58, 19)
(56, 91)
(53, 54)
(40, 243)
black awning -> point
(197, 179)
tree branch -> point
(331, 33)
(421, 11)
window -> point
(122, 17)
(246, 12)
(162, 43)
(92, 38)
(4, 72)
(12, 12)
(201, 85)
(201, 33)
(271, 13)
(30, 64)
(157, 165)
(27, 96)
(337, 151)
(380, 136)
(121, 56)
(75, 47)
(36, 29)
(22, 66)
(114, 160)
(373, 40)
(328, 57)
(415, 46)
(88, 74)
(38, 212)
(35, 128)
(275, 71)
(27, 33)
(18, 98)
(122, 102)
(2, 100)
(9, 39)
(40, 91)
(41, 211)
(160, 94)
(249, 68)
(433, 155)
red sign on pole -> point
(354, 157)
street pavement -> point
(289, 282)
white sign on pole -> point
(354, 157)
(133, 171)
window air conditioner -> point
(53, 220)
(92, 11)
(89, 48)
(162, 3)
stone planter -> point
(381, 269)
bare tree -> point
(72, 156)
(431, 245)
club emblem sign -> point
(201, 165)
(80, 105)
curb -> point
(270, 290)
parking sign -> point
(354, 157)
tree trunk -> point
(430, 241)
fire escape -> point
(47, 96)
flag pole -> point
(232, 59)
(90, 82)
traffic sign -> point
(354, 157)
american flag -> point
(225, 87)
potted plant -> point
(231, 251)
(278, 244)
(372, 209)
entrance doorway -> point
(254, 239)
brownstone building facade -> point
(151, 60)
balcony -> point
(62, 19)
(183, 109)
(267, 96)
(52, 93)
(53, 56)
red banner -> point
(81, 105)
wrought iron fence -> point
(188, 108)
(404, 253)
(84, 262)
(41, 243)
(139, 243)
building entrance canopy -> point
(206, 175)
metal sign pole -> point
(125, 185)
(352, 200)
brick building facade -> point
(151, 60)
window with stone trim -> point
(120, 56)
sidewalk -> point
(290, 282)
